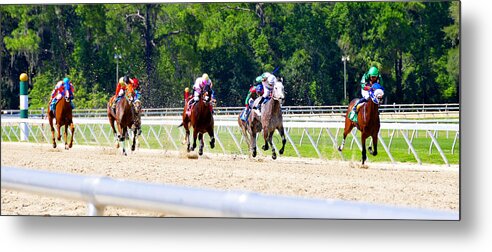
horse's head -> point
(377, 93)
(137, 106)
(278, 92)
(206, 94)
(130, 93)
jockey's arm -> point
(246, 102)
(118, 88)
(363, 80)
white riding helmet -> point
(271, 79)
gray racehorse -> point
(269, 121)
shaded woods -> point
(166, 46)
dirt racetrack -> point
(433, 187)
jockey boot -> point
(72, 105)
(53, 105)
(258, 107)
(244, 115)
(353, 114)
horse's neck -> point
(272, 108)
(371, 110)
(201, 106)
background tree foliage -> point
(167, 46)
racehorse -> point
(126, 116)
(63, 117)
(269, 121)
(368, 121)
(201, 119)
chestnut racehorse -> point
(126, 116)
(368, 121)
(201, 119)
(63, 117)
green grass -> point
(399, 148)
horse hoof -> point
(54, 145)
(264, 147)
(200, 152)
(212, 145)
(281, 151)
(70, 146)
(339, 148)
(66, 147)
(254, 153)
(274, 156)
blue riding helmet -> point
(66, 80)
(259, 88)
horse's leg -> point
(121, 137)
(200, 149)
(52, 131)
(72, 129)
(253, 143)
(265, 137)
(134, 138)
(282, 134)
(195, 134)
(270, 136)
(58, 135)
(65, 137)
(348, 128)
(212, 138)
(363, 138)
(375, 144)
(111, 123)
(187, 138)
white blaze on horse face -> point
(278, 91)
(378, 96)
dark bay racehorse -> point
(201, 119)
(126, 117)
(63, 117)
(368, 121)
(269, 121)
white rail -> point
(398, 109)
(186, 201)
(160, 131)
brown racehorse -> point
(201, 119)
(126, 117)
(63, 117)
(368, 122)
(270, 120)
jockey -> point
(62, 88)
(198, 87)
(200, 84)
(136, 87)
(120, 89)
(255, 91)
(368, 79)
(268, 81)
